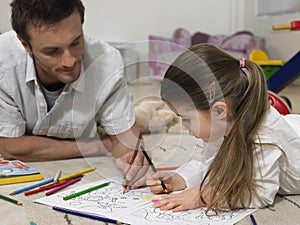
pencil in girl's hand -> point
(154, 169)
(10, 200)
(133, 158)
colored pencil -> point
(47, 187)
(32, 186)
(70, 182)
(253, 220)
(77, 174)
(167, 168)
(57, 176)
(86, 191)
(87, 215)
(10, 200)
(32, 223)
(154, 169)
(132, 159)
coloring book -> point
(134, 206)
(15, 171)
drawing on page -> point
(108, 199)
(134, 207)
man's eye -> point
(75, 43)
(52, 52)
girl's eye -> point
(185, 120)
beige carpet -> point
(284, 211)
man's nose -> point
(68, 59)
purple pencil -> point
(54, 190)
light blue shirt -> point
(100, 92)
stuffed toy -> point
(153, 116)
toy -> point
(294, 25)
(269, 66)
(153, 116)
(281, 104)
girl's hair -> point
(40, 13)
(203, 75)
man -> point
(54, 82)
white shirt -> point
(100, 89)
(274, 175)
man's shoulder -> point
(12, 51)
(95, 48)
(98, 45)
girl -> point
(251, 152)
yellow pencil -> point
(77, 174)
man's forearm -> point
(36, 148)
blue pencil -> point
(87, 215)
(253, 220)
(32, 186)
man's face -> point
(57, 50)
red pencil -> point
(294, 25)
(44, 188)
(70, 182)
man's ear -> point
(25, 44)
(220, 110)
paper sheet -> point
(134, 207)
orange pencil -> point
(133, 158)
(167, 168)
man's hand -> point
(135, 173)
(128, 157)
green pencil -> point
(10, 200)
(85, 191)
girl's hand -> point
(185, 200)
(173, 182)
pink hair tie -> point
(212, 92)
(242, 63)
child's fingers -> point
(165, 204)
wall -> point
(4, 15)
(134, 20)
(281, 44)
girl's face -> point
(208, 125)
(198, 123)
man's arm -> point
(38, 148)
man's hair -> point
(41, 12)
